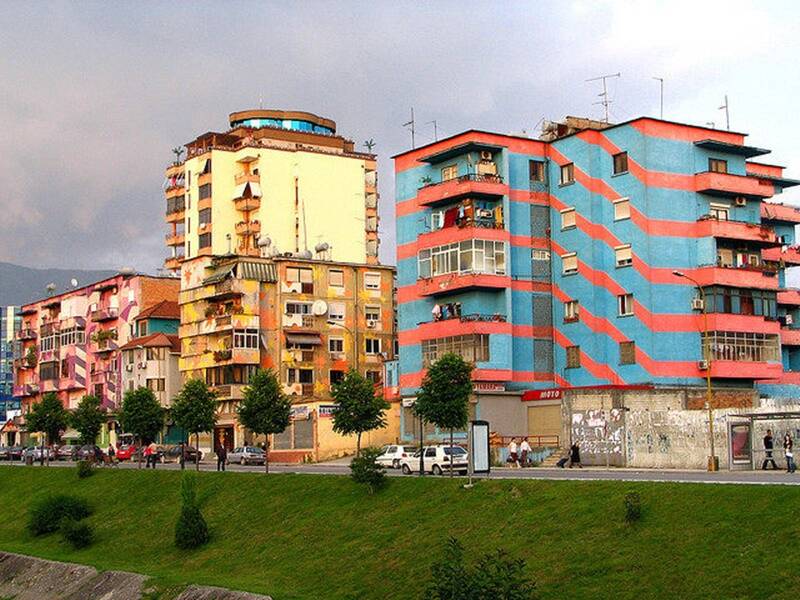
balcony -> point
(176, 216)
(780, 213)
(761, 278)
(26, 389)
(738, 369)
(224, 290)
(236, 356)
(104, 314)
(472, 185)
(25, 335)
(247, 204)
(790, 256)
(203, 178)
(175, 239)
(203, 228)
(298, 320)
(450, 235)
(790, 337)
(248, 228)
(727, 185)
(229, 391)
(455, 282)
(204, 203)
(789, 298)
(173, 263)
(243, 178)
(738, 230)
(175, 190)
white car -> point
(391, 455)
(436, 460)
(247, 455)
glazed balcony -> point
(25, 335)
(242, 178)
(790, 337)
(104, 314)
(472, 185)
(456, 282)
(246, 204)
(248, 228)
(738, 230)
(728, 185)
(761, 278)
(175, 239)
(790, 256)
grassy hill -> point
(310, 537)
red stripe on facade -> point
(596, 369)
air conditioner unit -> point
(788, 319)
(371, 323)
(740, 201)
(142, 365)
(697, 304)
(486, 155)
(702, 365)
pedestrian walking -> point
(524, 449)
(153, 454)
(575, 456)
(768, 447)
(222, 457)
(788, 451)
(146, 454)
(513, 457)
(112, 455)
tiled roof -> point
(155, 340)
(166, 309)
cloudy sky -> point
(94, 94)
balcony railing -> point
(486, 178)
(246, 204)
(26, 334)
(104, 314)
(459, 187)
(730, 185)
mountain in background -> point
(20, 285)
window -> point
(48, 370)
(72, 335)
(305, 277)
(372, 313)
(142, 328)
(336, 278)
(299, 376)
(129, 357)
(98, 390)
(620, 163)
(449, 172)
(625, 305)
(469, 256)
(245, 338)
(336, 377)
(627, 353)
(372, 281)
(741, 301)
(336, 311)
(298, 308)
(155, 353)
(472, 348)
(622, 209)
(716, 165)
(204, 240)
(568, 218)
(571, 310)
(738, 346)
(204, 217)
(336, 345)
(720, 212)
(230, 374)
(374, 377)
(156, 384)
(536, 171)
(569, 263)
(437, 219)
(204, 191)
(567, 174)
(573, 357)
(372, 346)
(623, 255)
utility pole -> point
(604, 95)
(411, 125)
(661, 85)
(727, 114)
(435, 130)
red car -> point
(126, 451)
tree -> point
(195, 410)
(443, 398)
(265, 409)
(88, 419)
(141, 415)
(49, 417)
(358, 407)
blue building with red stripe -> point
(586, 259)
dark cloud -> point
(95, 96)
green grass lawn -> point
(310, 537)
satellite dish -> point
(319, 308)
(73, 282)
(264, 242)
(306, 254)
(50, 287)
(322, 247)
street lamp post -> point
(713, 462)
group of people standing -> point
(518, 454)
(788, 452)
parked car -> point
(126, 451)
(14, 453)
(436, 460)
(87, 452)
(247, 455)
(37, 452)
(65, 452)
(4, 452)
(173, 454)
(390, 455)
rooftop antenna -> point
(435, 130)
(604, 95)
(369, 145)
(261, 102)
(50, 288)
(727, 114)
(411, 124)
(661, 85)
(178, 151)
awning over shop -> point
(304, 338)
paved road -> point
(588, 474)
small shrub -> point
(45, 516)
(365, 469)
(633, 507)
(191, 530)
(78, 534)
(85, 469)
